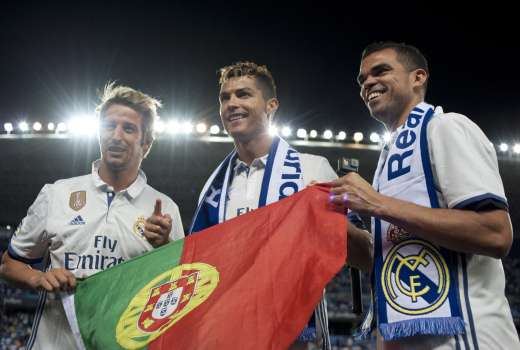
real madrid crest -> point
(77, 200)
(415, 278)
(166, 299)
(139, 226)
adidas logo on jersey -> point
(78, 220)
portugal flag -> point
(249, 283)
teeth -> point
(236, 117)
(373, 95)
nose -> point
(367, 84)
(117, 133)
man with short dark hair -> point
(262, 169)
(86, 224)
(440, 216)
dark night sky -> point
(55, 56)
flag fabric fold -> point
(249, 283)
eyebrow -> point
(375, 69)
(227, 93)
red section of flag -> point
(274, 263)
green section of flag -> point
(106, 295)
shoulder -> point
(316, 168)
(313, 159)
(72, 184)
(72, 181)
(454, 124)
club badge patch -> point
(139, 226)
(77, 200)
(415, 278)
(165, 300)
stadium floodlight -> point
(187, 128)
(374, 137)
(23, 126)
(214, 130)
(301, 133)
(37, 126)
(159, 126)
(83, 125)
(286, 131)
(516, 148)
(503, 147)
(51, 126)
(8, 127)
(273, 130)
(341, 136)
(358, 136)
(387, 136)
(327, 134)
(62, 127)
(313, 134)
(173, 127)
(201, 128)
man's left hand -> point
(158, 226)
(353, 192)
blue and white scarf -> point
(416, 286)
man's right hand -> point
(54, 280)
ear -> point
(146, 148)
(419, 77)
(272, 106)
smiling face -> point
(388, 88)
(121, 138)
(244, 110)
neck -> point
(249, 150)
(396, 121)
(119, 179)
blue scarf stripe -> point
(434, 203)
(268, 171)
(378, 266)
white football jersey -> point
(82, 225)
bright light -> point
(187, 127)
(341, 136)
(23, 126)
(37, 126)
(201, 128)
(327, 134)
(358, 136)
(374, 137)
(273, 130)
(159, 126)
(84, 125)
(51, 126)
(313, 134)
(62, 127)
(214, 130)
(286, 131)
(503, 147)
(386, 137)
(516, 148)
(8, 127)
(301, 133)
(173, 127)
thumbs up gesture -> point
(158, 226)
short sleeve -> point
(316, 168)
(30, 241)
(464, 164)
